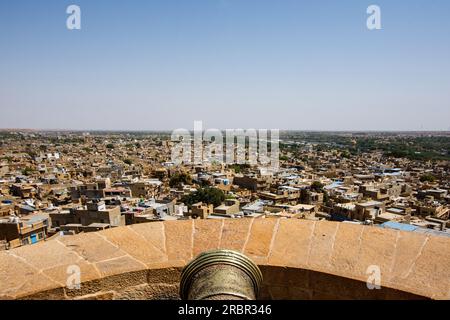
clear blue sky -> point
(145, 65)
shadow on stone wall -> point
(280, 283)
(300, 284)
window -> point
(25, 241)
(40, 235)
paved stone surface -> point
(235, 233)
(408, 247)
(92, 247)
(292, 243)
(377, 249)
(61, 273)
(153, 233)
(260, 239)
(430, 270)
(46, 255)
(118, 266)
(322, 245)
(346, 250)
(179, 239)
(135, 245)
(299, 259)
(207, 235)
(17, 277)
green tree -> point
(31, 153)
(326, 197)
(317, 186)
(207, 195)
(238, 168)
(27, 171)
(427, 178)
(345, 154)
(178, 179)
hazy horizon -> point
(222, 129)
(289, 65)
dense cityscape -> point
(55, 184)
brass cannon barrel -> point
(220, 275)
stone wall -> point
(299, 259)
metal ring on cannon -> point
(220, 275)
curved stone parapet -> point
(299, 259)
